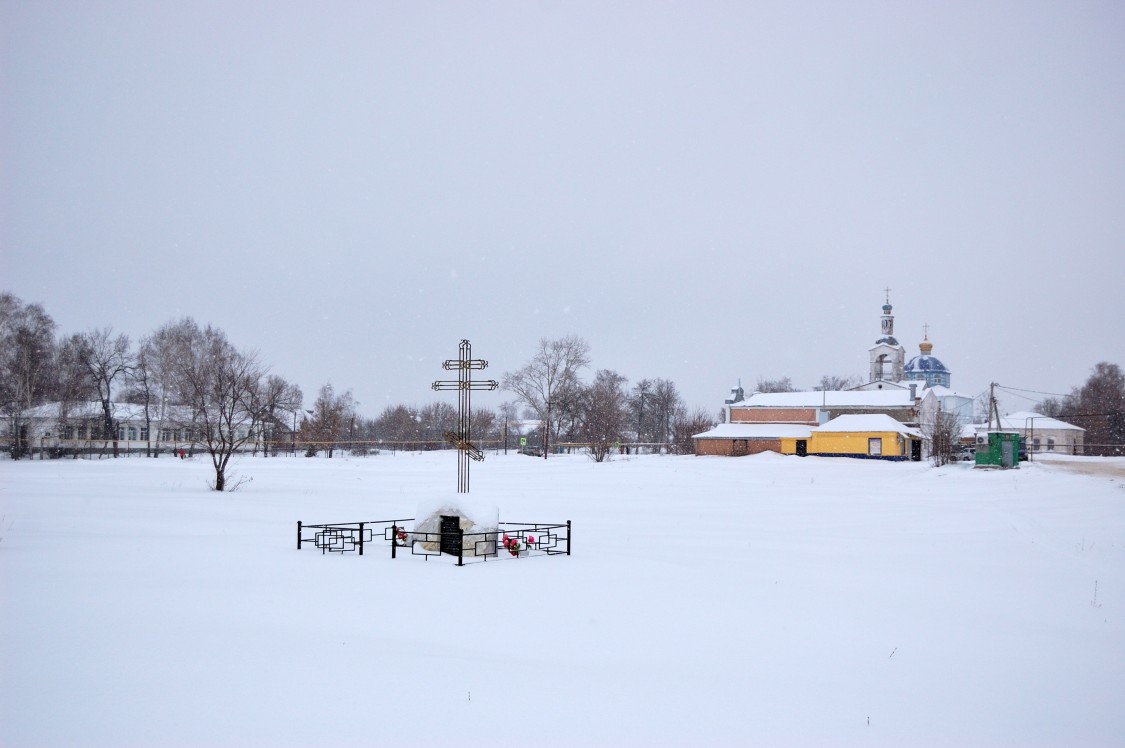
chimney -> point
(914, 392)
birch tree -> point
(108, 362)
(26, 353)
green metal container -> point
(1002, 451)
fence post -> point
(460, 545)
(361, 538)
(568, 537)
(394, 538)
(298, 534)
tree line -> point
(1097, 406)
(552, 405)
(190, 378)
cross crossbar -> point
(464, 365)
(478, 384)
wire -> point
(1016, 394)
(1036, 392)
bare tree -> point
(943, 433)
(1099, 407)
(331, 414)
(141, 392)
(688, 425)
(775, 385)
(223, 388)
(604, 413)
(1051, 406)
(483, 424)
(158, 357)
(71, 385)
(276, 400)
(666, 405)
(508, 414)
(27, 350)
(398, 424)
(435, 419)
(835, 382)
(982, 403)
(640, 410)
(549, 383)
(108, 360)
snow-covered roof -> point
(92, 410)
(87, 410)
(830, 399)
(925, 362)
(756, 431)
(867, 422)
(941, 391)
(1023, 420)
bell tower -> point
(888, 319)
(887, 356)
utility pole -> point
(992, 409)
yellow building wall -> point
(856, 443)
(848, 443)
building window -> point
(875, 446)
(144, 434)
(1050, 444)
(132, 433)
(1035, 444)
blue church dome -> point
(921, 364)
(927, 368)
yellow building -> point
(874, 436)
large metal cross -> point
(464, 364)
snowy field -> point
(765, 600)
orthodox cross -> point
(464, 364)
(887, 291)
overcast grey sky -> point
(704, 191)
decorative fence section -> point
(342, 537)
(511, 539)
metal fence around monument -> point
(529, 539)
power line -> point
(1035, 392)
(1015, 394)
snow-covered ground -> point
(765, 600)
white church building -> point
(924, 374)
